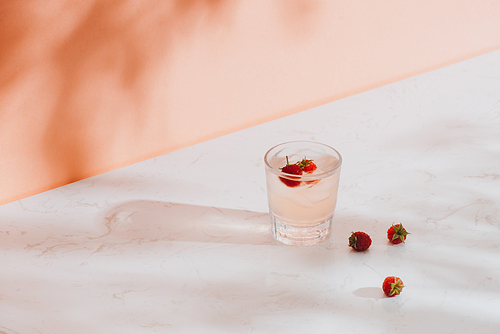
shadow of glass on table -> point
(150, 221)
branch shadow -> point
(106, 67)
(94, 68)
(14, 28)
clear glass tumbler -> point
(302, 206)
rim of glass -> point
(306, 177)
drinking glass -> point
(302, 206)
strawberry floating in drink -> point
(291, 169)
(307, 166)
(298, 168)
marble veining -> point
(181, 243)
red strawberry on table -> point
(360, 241)
(397, 234)
(291, 169)
(392, 286)
(307, 166)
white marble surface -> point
(181, 243)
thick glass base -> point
(300, 235)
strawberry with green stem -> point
(360, 241)
(291, 169)
(397, 234)
(307, 165)
(392, 286)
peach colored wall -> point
(89, 86)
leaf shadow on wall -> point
(91, 78)
(107, 66)
(96, 70)
(13, 30)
